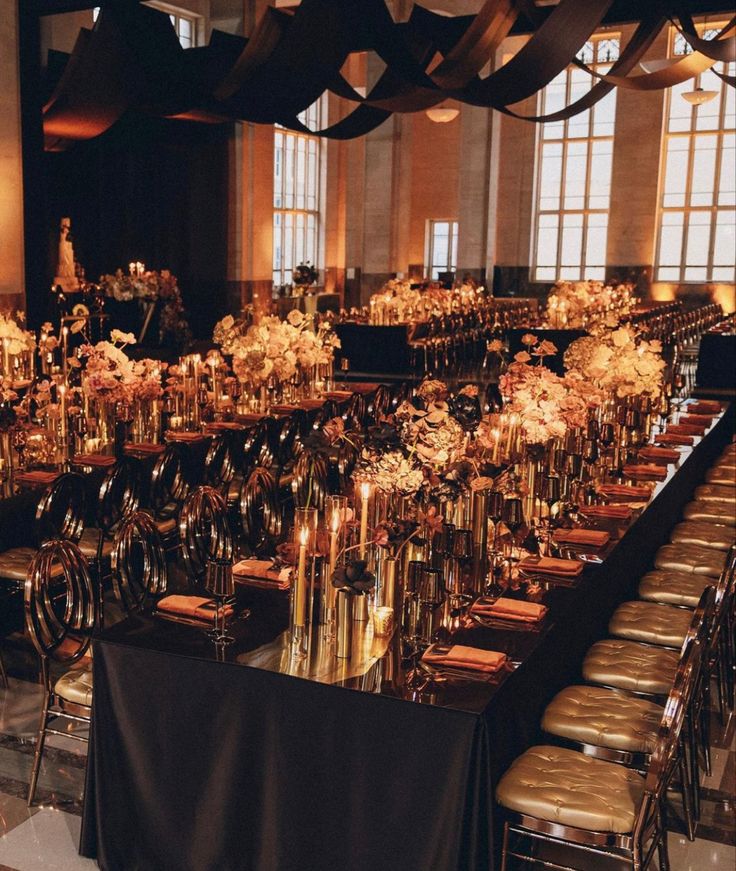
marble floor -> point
(45, 837)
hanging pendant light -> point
(699, 96)
(442, 114)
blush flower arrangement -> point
(618, 362)
(13, 333)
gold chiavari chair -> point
(559, 801)
(618, 726)
(204, 531)
(138, 561)
(261, 517)
(62, 614)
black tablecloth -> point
(376, 349)
(561, 339)
(213, 766)
(717, 362)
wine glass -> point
(495, 513)
(513, 517)
(678, 387)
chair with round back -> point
(168, 491)
(309, 480)
(355, 412)
(380, 404)
(219, 468)
(118, 497)
(260, 513)
(62, 614)
(138, 561)
(205, 531)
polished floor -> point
(45, 837)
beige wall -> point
(11, 187)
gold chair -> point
(722, 475)
(651, 623)
(138, 562)
(168, 491)
(690, 558)
(261, 517)
(716, 493)
(711, 511)
(703, 534)
(219, 468)
(62, 614)
(558, 800)
(673, 588)
(204, 531)
(309, 480)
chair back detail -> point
(138, 560)
(61, 603)
(260, 512)
(205, 531)
(168, 487)
(118, 497)
(309, 481)
(219, 468)
(61, 509)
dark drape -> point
(153, 190)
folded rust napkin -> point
(511, 609)
(338, 395)
(283, 408)
(261, 573)
(223, 426)
(661, 456)
(195, 607)
(143, 448)
(250, 417)
(697, 419)
(619, 512)
(184, 436)
(704, 406)
(37, 476)
(587, 537)
(671, 438)
(311, 404)
(648, 470)
(460, 656)
(93, 460)
(624, 491)
(548, 565)
(687, 429)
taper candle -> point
(300, 591)
(365, 493)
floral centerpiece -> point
(581, 304)
(15, 342)
(618, 362)
(304, 275)
(152, 286)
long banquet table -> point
(198, 763)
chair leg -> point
(687, 795)
(40, 741)
(3, 673)
(504, 852)
(692, 742)
(662, 848)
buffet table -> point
(245, 760)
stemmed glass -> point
(679, 384)
(513, 517)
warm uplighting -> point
(442, 114)
(699, 96)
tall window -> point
(185, 24)
(442, 248)
(574, 173)
(296, 200)
(697, 215)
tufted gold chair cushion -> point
(604, 717)
(89, 541)
(15, 561)
(711, 512)
(690, 558)
(76, 686)
(704, 534)
(673, 588)
(716, 493)
(631, 666)
(651, 623)
(724, 475)
(569, 788)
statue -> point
(66, 276)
